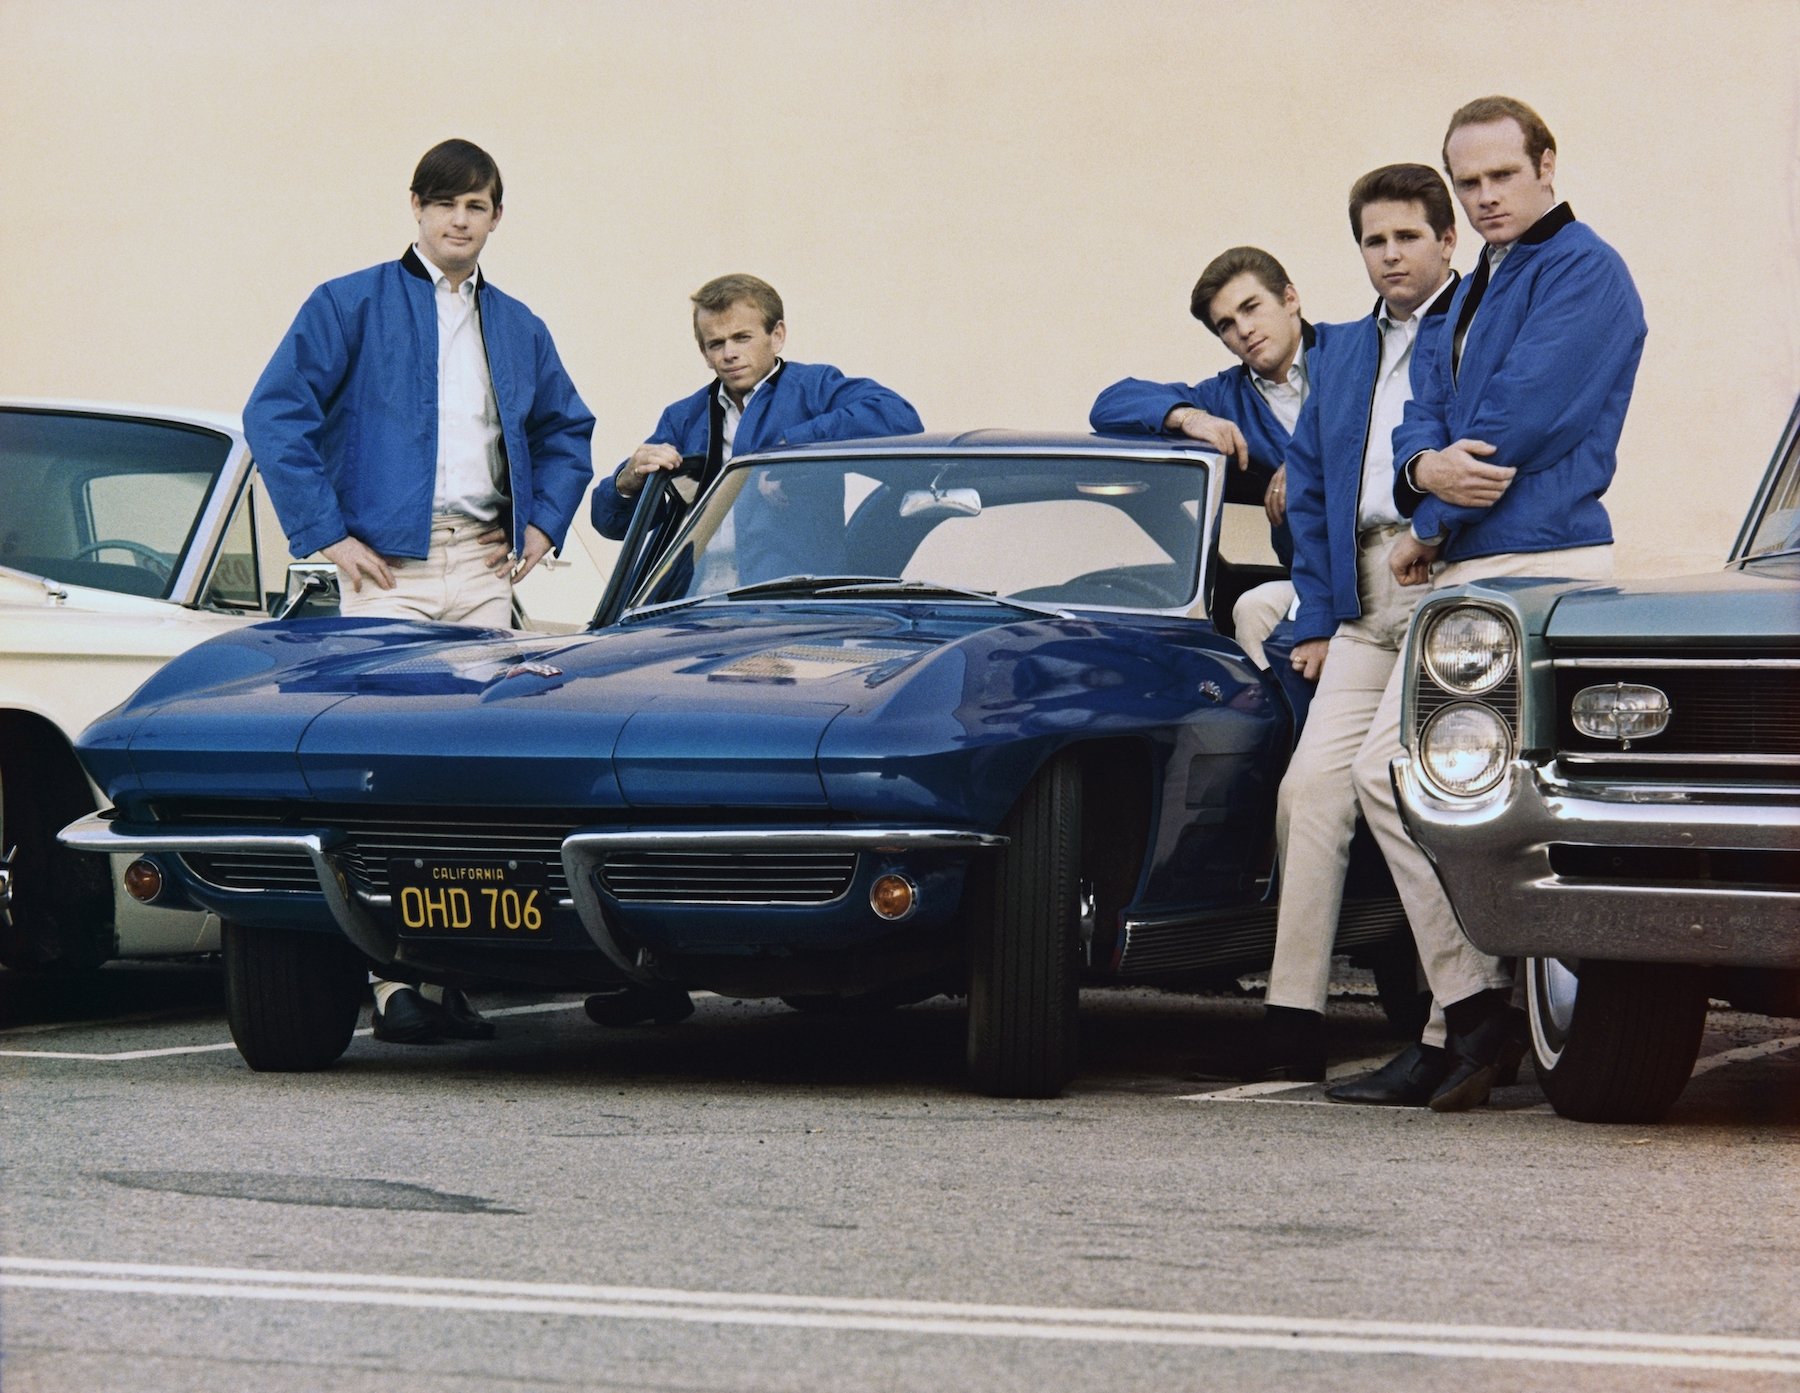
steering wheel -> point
(1122, 588)
(147, 558)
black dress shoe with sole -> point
(407, 1019)
(457, 1019)
(1406, 1081)
(1478, 1059)
(635, 1004)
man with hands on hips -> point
(1505, 449)
(416, 426)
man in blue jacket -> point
(1509, 442)
(1350, 622)
(756, 401)
(416, 426)
(1247, 413)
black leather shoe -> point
(456, 1019)
(1288, 1045)
(1478, 1059)
(1406, 1081)
(407, 1019)
(658, 1003)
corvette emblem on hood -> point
(532, 669)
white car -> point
(127, 535)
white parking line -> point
(123, 1056)
(1253, 1092)
(1517, 1344)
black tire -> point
(61, 910)
(292, 999)
(1611, 1041)
(1404, 1002)
(1024, 944)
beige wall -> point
(996, 207)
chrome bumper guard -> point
(583, 852)
(1493, 859)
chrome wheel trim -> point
(1551, 988)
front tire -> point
(291, 999)
(1613, 1041)
(1025, 944)
(60, 917)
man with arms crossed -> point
(756, 401)
(1351, 621)
(417, 427)
(1510, 440)
(1247, 413)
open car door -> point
(662, 506)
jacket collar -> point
(413, 266)
(1438, 306)
(1548, 226)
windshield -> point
(1778, 529)
(102, 501)
(1057, 530)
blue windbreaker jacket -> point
(1135, 406)
(805, 402)
(1325, 464)
(343, 422)
(1546, 375)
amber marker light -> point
(893, 896)
(143, 880)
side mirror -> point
(936, 502)
(312, 589)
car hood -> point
(1758, 604)
(912, 710)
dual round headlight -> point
(1465, 748)
(1469, 650)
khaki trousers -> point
(452, 583)
(1454, 968)
(1315, 814)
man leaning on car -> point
(1247, 413)
(757, 400)
(387, 445)
(1502, 456)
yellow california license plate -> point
(480, 899)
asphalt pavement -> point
(757, 1199)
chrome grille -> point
(370, 845)
(693, 875)
(1717, 707)
(253, 870)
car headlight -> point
(1465, 748)
(1469, 650)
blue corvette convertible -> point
(858, 725)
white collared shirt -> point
(468, 450)
(1393, 389)
(1287, 397)
(735, 413)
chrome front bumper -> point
(362, 921)
(1493, 857)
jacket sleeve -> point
(284, 421)
(608, 509)
(559, 431)
(850, 408)
(1311, 566)
(1137, 407)
(1424, 424)
(1585, 327)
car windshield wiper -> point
(780, 585)
(930, 589)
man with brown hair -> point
(416, 426)
(1351, 620)
(757, 400)
(1247, 413)
(1506, 447)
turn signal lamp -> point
(143, 880)
(1623, 711)
(893, 896)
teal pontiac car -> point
(1607, 778)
